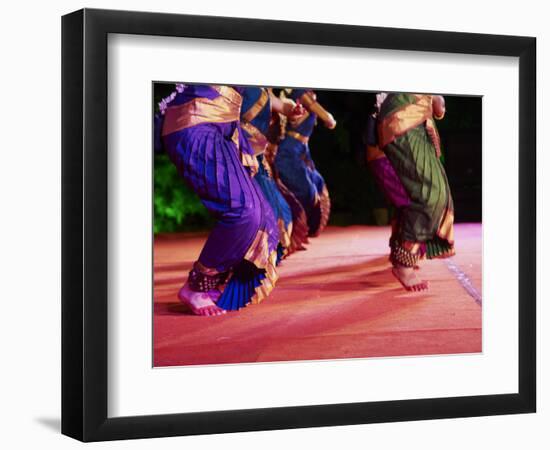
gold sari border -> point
(434, 136)
(446, 254)
(404, 119)
(325, 208)
(251, 162)
(267, 168)
(229, 93)
(284, 233)
(224, 108)
(268, 283)
(300, 230)
(446, 228)
(256, 138)
(257, 253)
(299, 137)
(257, 107)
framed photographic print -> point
(273, 224)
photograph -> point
(305, 224)
(275, 226)
(282, 224)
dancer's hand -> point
(438, 105)
(287, 107)
(293, 110)
(330, 122)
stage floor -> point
(338, 299)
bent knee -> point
(245, 214)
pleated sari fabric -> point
(297, 171)
(300, 228)
(203, 138)
(409, 140)
(255, 118)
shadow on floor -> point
(52, 423)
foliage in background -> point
(340, 157)
(176, 207)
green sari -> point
(409, 139)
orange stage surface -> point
(338, 299)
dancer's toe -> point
(201, 303)
(205, 311)
(216, 311)
(408, 279)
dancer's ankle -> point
(204, 279)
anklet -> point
(203, 282)
(403, 257)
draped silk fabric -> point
(255, 118)
(203, 138)
(409, 140)
(296, 168)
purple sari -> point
(202, 136)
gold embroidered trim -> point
(299, 137)
(257, 107)
(300, 229)
(228, 92)
(222, 109)
(322, 201)
(445, 254)
(251, 162)
(284, 233)
(434, 136)
(257, 253)
(257, 140)
(268, 283)
(446, 228)
(404, 119)
(411, 246)
(235, 137)
(267, 168)
(325, 208)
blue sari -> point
(255, 118)
(297, 170)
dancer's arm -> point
(286, 106)
(309, 100)
(438, 105)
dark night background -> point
(339, 155)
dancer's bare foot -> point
(407, 277)
(201, 303)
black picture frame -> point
(84, 224)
